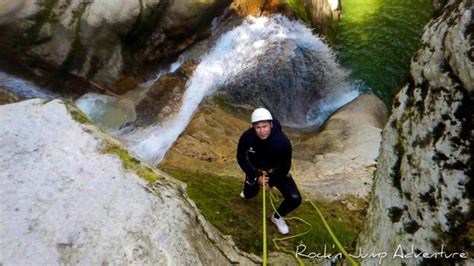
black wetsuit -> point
(273, 155)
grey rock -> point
(341, 159)
(97, 39)
(422, 195)
(66, 200)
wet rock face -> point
(209, 143)
(320, 14)
(164, 99)
(324, 15)
(341, 159)
(183, 23)
(439, 4)
(96, 39)
(423, 191)
(66, 200)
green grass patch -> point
(223, 104)
(219, 201)
(132, 163)
(299, 8)
(128, 160)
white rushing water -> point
(235, 51)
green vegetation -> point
(77, 114)
(131, 163)
(128, 160)
(77, 55)
(219, 201)
(223, 104)
(299, 8)
(39, 19)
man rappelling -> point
(264, 154)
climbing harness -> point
(326, 225)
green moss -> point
(76, 113)
(39, 19)
(223, 104)
(219, 201)
(128, 160)
(132, 163)
(78, 52)
(299, 8)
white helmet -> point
(261, 114)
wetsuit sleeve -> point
(284, 159)
(242, 158)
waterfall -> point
(240, 51)
(265, 61)
(287, 69)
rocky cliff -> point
(70, 195)
(110, 43)
(97, 39)
(422, 199)
(340, 160)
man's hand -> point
(261, 181)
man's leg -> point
(250, 188)
(291, 194)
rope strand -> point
(275, 240)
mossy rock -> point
(7, 97)
(113, 146)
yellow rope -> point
(275, 240)
(264, 229)
(328, 228)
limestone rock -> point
(183, 23)
(96, 39)
(341, 159)
(209, 143)
(164, 99)
(65, 200)
(423, 190)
